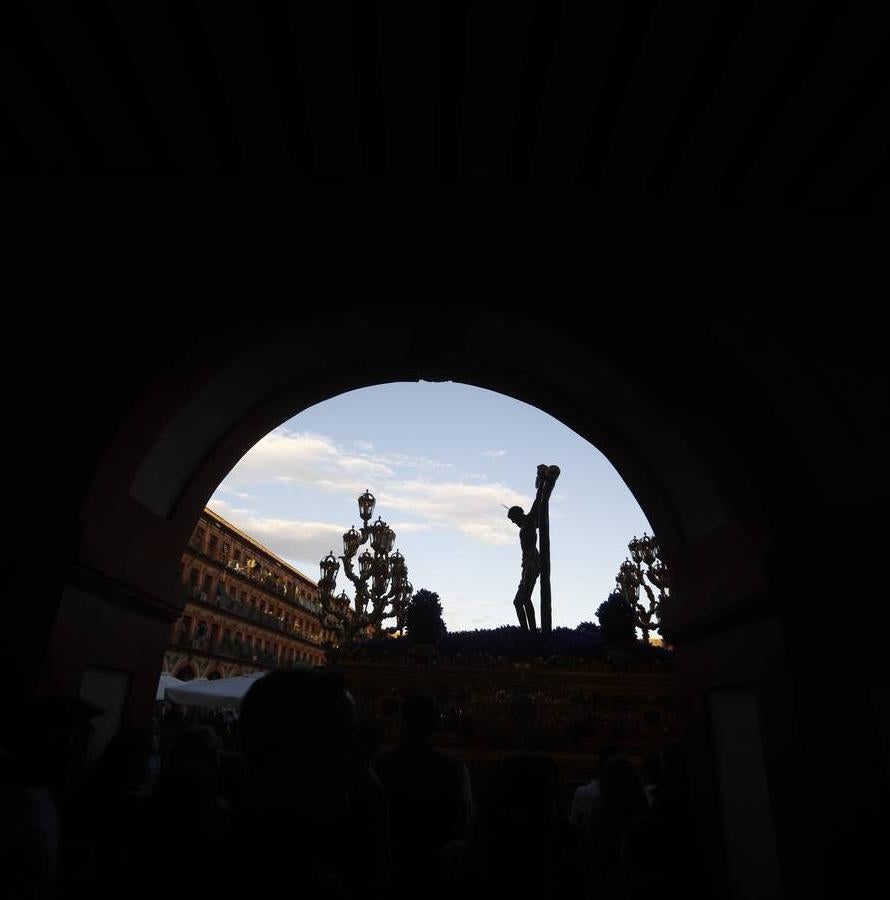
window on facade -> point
(225, 548)
(213, 542)
(193, 576)
(227, 633)
(207, 582)
(250, 640)
(214, 632)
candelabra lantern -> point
(382, 589)
(644, 568)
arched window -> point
(186, 673)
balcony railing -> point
(224, 647)
(267, 582)
(251, 614)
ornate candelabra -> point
(382, 589)
(632, 576)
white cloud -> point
(312, 460)
(227, 511)
(363, 445)
(421, 463)
(490, 532)
(493, 454)
(309, 459)
(400, 527)
(288, 538)
(475, 509)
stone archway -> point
(236, 344)
(203, 409)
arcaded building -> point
(246, 609)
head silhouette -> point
(298, 734)
(522, 799)
(49, 740)
(420, 716)
(622, 789)
(199, 745)
(516, 514)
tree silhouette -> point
(617, 620)
(423, 619)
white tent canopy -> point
(213, 694)
(166, 680)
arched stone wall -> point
(670, 343)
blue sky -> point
(441, 458)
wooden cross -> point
(545, 483)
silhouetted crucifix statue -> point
(535, 563)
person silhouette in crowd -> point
(620, 833)
(651, 773)
(308, 802)
(46, 748)
(197, 745)
(369, 739)
(672, 810)
(520, 844)
(429, 793)
(586, 801)
(111, 813)
(187, 791)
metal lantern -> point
(380, 575)
(382, 536)
(658, 575)
(636, 547)
(650, 549)
(329, 568)
(365, 563)
(628, 580)
(397, 565)
(352, 540)
(366, 504)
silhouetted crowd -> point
(308, 805)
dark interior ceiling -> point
(754, 107)
(120, 119)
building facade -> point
(246, 609)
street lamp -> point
(382, 589)
(644, 552)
